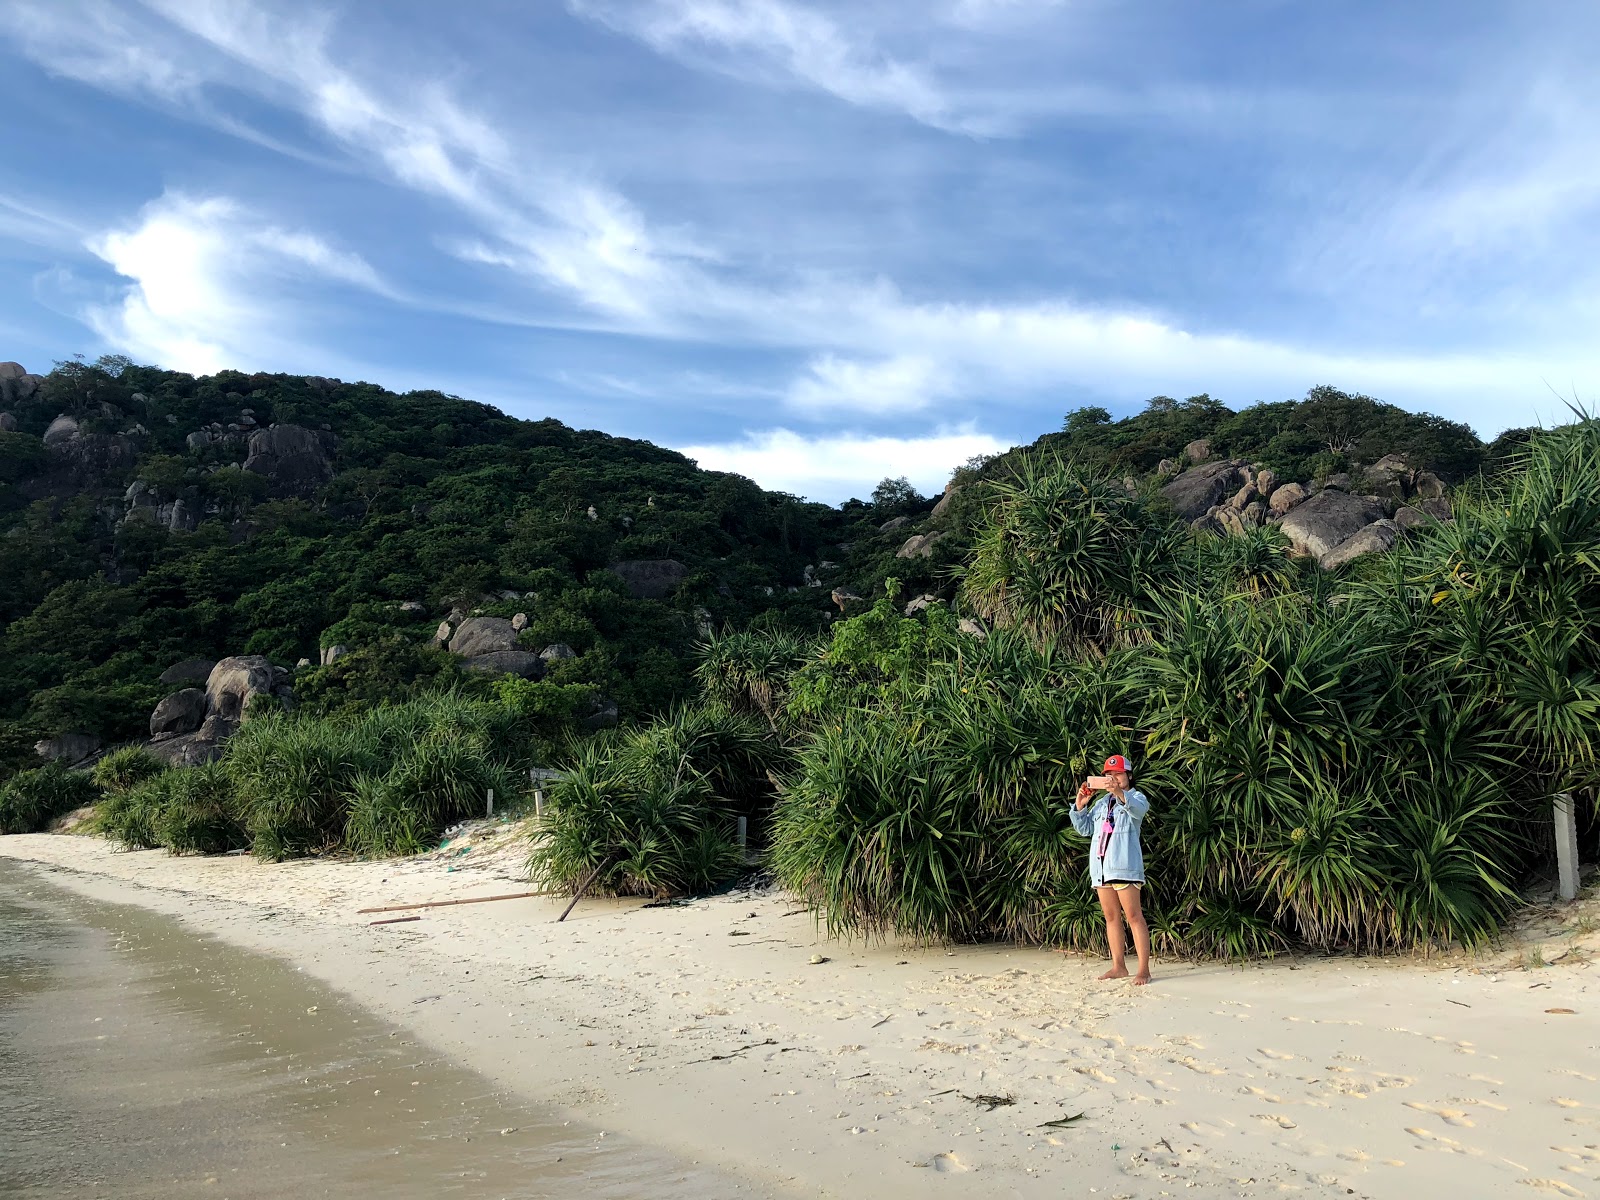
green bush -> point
(294, 779)
(198, 812)
(132, 818)
(126, 768)
(1357, 763)
(31, 799)
(653, 812)
(432, 784)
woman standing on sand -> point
(1116, 861)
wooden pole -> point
(490, 813)
(582, 888)
(447, 903)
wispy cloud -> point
(206, 282)
(834, 467)
(784, 43)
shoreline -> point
(704, 1028)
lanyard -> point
(1108, 826)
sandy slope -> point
(705, 1027)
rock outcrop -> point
(650, 578)
(16, 384)
(190, 670)
(69, 748)
(296, 460)
(919, 545)
(1370, 539)
(232, 688)
(483, 635)
(508, 662)
(1327, 519)
(180, 713)
(1198, 490)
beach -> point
(709, 1030)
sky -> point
(818, 243)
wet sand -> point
(709, 1031)
(141, 1060)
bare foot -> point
(1142, 978)
(1117, 973)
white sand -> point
(1318, 1077)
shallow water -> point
(138, 1059)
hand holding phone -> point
(1100, 782)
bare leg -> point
(1114, 934)
(1134, 913)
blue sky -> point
(817, 243)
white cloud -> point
(904, 383)
(207, 284)
(781, 42)
(835, 467)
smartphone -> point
(1100, 782)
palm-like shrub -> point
(126, 768)
(31, 799)
(1066, 555)
(443, 779)
(652, 812)
(196, 811)
(294, 780)
(749, 671)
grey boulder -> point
(68, 747)
(650, 578)
(62, 429)
(8, 423)
(295, 459)
(508, 662)
(483, 635)
(919, 545)
(233, 684)
(1373, 539)
(1284, 498)
(1326, 520)
(180, 713)
(557, 651)
(190, 670)
(1409, 518)
(1197, 491)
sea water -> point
(139, 1059)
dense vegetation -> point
(1361, 759)
(433, 500)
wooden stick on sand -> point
(447, 903)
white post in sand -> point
(538, 802)
(490, 813)
(1567, 846)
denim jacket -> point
(1124, 859)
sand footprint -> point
(947, 1163)
(1202, 1129)
(1551, 1185)
(1261, 1094)
(1450, 1116)
(1566, 1102)
(1281, 1122)
(1095, 1073)
(1194, 1064)
(1280, 1055)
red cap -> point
(1116, 763)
